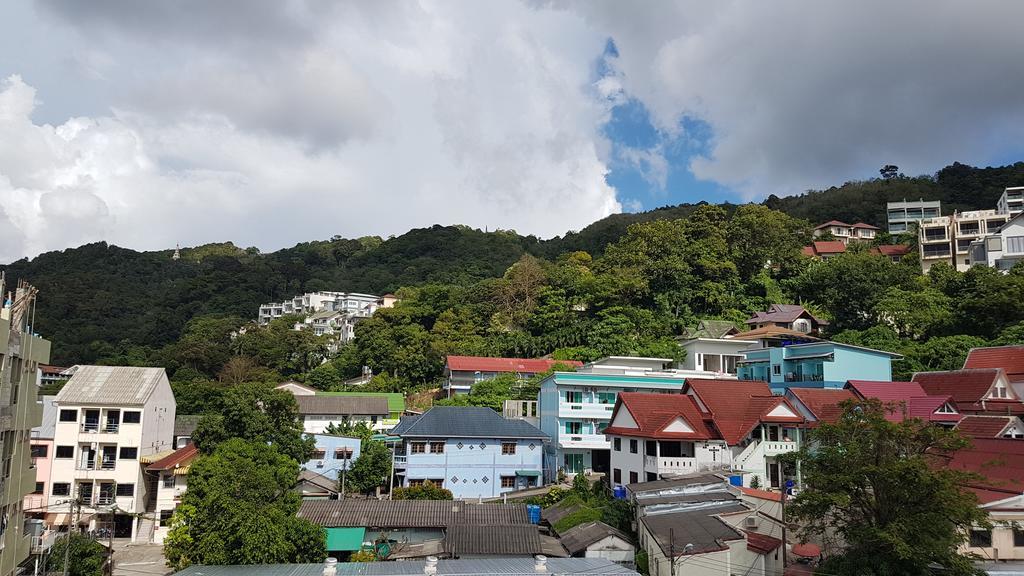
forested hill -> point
(98, 300)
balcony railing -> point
(670, 464)
(94, 465)
(805, 377)
(775, 448)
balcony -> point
(936, 252)
(598, 441)
(935, 236)
(401, 461)
(585, 410)
(669, 465)
(805, 377)
(776, 448)
(94, 465)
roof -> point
(462, 567)
(710, 329)
(762, 494)
(179, 459)
(464, 422)
(783, 313)
(653, 413)
(737, 406)
(578, 538)
(410, 513)
(676, 482)
(695, 526)
(773, 332)
(999, 460)
(117, 385)
(984, 426)
(521, 365)
(552, 514)
(963, 385)
(156, 456)
(830, 223)
(318, 480)
(338, 405)
(865, 226)
(891, 249)
(761, 543)
(514, 539)
(825, 247)
(48, 425)
(1009, 358)
(914, 401)
(185, 424)
(823, 403)
(396, 401)
(50, 369)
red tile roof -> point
(761, 543)
(913, 401)
(653, 412)
(865, 226)
(962, 385)
(737, 406)
(179, 458)
(521, 365)
(1009, 358)
(982, 426)
(886, 391)
(999, 461)
(830, 223)
(823, 403)
(892, 249)
(807, 250)
(825, 247)
(762, 494)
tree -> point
(889, 171)
(760, 237)
(371, 469)
(240, 509)
(915, 314)
(259, 413)
(426, 491)
(880, 486)
(86, 557)
(324, 377)
(358, 430)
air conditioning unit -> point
(751, 522)
(319, 463)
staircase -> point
(753, 448)
(144, 535)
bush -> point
(426, 491)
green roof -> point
(345, 539)
(396, 401)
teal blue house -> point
(815, 365)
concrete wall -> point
(330, 466)
(475, 468)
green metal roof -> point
(396, 401)
(345, 539)
(531, 473)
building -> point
(824, 249)
(712, 329)
(20, 412)
(1011, 202)
(501, 566)
(332, 455)
(816, 365)
(971, 227)
(908, 400)
(318, 412)
(184, 426)
(470, 450)
(395, 402)
(819, 404)
(575, 407)
(313, 486)
(111, 420)
(903, 216)
(789, 316)
(327, 313)
(599, 540)
(846, 233)
(52, 374)
(894, 252)
(986, 426)
(935, 241)
(41, 447)
(1002, 249)
(170, 476)
(974, 390)
(462, 372)
(720, 356)
(1009, 358)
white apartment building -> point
(719, 356)
(325, 301)
(973, 226)
(901, 215)
(1011, 202)
(846, 233)
(170, 476)
(1000, 250)
(110, 421)
(935, 241)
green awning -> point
(530, 473)
(345, 539)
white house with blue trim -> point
(470, 450)
(332, 454)
(816, 365)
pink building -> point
(41, 442)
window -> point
(617, 476)
(632, 446)
(127, 490)
(132, 417)
(1015, 244)
(169, 480)
(573, 427)
(417, 447)
(413, 482)
(342, 453)
(128, 453)
(40, 488)
(61, 489)
(39, 450)
(574, 396)
(633, 478)
(165, 518)
(981, 538)
(64, 452)
(999, 391)
(437, 447)
(599, 427)
(1018, 537)
(318, 454)
(508, 481)
(606, 397)
(776, 369)
(508, 448)
(617, 444)
(69, 415)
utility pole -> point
(67, 541)
(672, 552)
(110, 540)
(786, 484)
(344, 469)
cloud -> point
(650, 163)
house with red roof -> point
(824, 249)
(461, 372)
(894, 252)
(988, 426)
(1009, 358)
(714, 425)
(789, 316)
(908, 400)
(974, 390)
(846, 233)
(819, 404)
(170, 476)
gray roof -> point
(185, 424)
(697, 526)
(118, 385)
(509, 566)
(343, 405)
(317, 480)
(578, 538)
(552, 514)
(465, 422)
(710, 329)
(695, 479)
(410, 513)
(513, 540)
(48, 425)
(783, 313)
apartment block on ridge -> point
(901, 216)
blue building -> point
(472, 451)
(815, 365)
(332, 454)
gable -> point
(1001, 389)
(782, 411)
(678, 424)
(623, 419)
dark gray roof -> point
(465, 422)
(316, 480)
(512, 540)
(696, 525)
(117, 385)
(710, 329)
(505, 566)
(577, 538)
(185, 424)
(552, 514)
(410, 513)
(343, 405)
(695, 479)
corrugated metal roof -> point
(48, 426)
(410, 513)
(578, 538)
(514, 540)
(519, 365)
(509, 566)
(465, 422)
(117, 385)
(343, 405)
(698, 527)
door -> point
(85, 493)
(600, 460)
(109, 458)
(87, 458)
(106, 494)
(113, 421)
(92, 421)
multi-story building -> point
(970, 227)
(1011, 202)
(712, 347)
(846, 233)
(21, 353)
(789, 316)
(935, 241)
(111, 420)
(311, 302)
(170, 477)
(470, 450)
(462, 372)
(36, 503)
(318, 412)
(816, 365)
(575, 407)
(332, 455)
(1002, 249)
(903, 215)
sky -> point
(272, 122)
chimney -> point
(330, 567)
(431, 566)
(540, 563)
